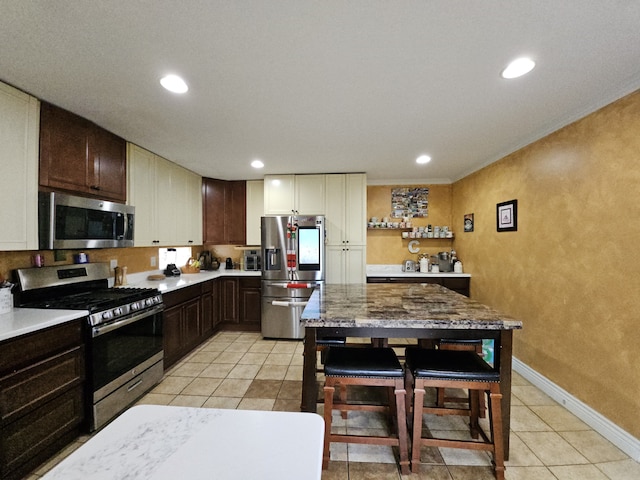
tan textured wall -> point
(571, 271)
(388, 246)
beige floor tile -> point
(189, 369)
(622, 470)
(294, 372)
(336, 471)
(253, 358)
(517, 379)
(232, 387)
(290, 389)
(230, 403)
(528, 473)
(551, 448)
(172, 385)
(297, 359)
(215, 346)
(520, 455)
(238, 347)
(523, 419)
(373, 470)
(189, 400)
(577, 472)
(515, 401)
(285, 347)
(156, 399)
(530, 395)
(272, 372)
(278, 359)
(229, 357)
(559, 418)
(458, 456)
(204, 357)
(256, 404)
(202, 386)
(217, 370)
(286, 405)
(594, 446)
(262, 347)
(248, 372)
(371, 454)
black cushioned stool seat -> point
(373, 367)
(454, 369)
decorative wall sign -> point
(507, 216)
(409, 202)
(468, 222)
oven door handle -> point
(109, 327)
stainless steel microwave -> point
(67, 221)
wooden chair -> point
(454, 369)
(471, 345)
(369, 367)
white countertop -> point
(160, 442)
(170, 284)
(396, 271)
(21, 321)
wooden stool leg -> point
(403, 436)
(474, 411)
(343, 400)
(495, 413)
(418, 402)
(328, 407)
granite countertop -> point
(386, 305)
(375, 270)
(166, 442)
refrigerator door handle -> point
(281, 303)
(295, 285)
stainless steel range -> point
(123, 331)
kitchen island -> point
(421, 311)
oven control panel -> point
(120, 311)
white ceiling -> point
(327, 85)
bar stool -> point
(472, 345)
(371, 367)
(455, 369)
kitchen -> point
(565, 272)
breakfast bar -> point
(420, 311)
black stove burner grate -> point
(95, 300)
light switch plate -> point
(113, 263)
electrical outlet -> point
(59, 255)
(153, 261)
(113, 263)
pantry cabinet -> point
(345, 211)
(19, 117)
(255, 211)
(167, 200)
(79, 157)
(42, 395)
(224, 211)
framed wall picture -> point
(468, 222)
(507, 216)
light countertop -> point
(375, 270)
(21, 321)
(154, 442)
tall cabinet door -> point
(335, 209)
(255, 210)
(309, 194)
(356, 208)
(19, 114)
(141, 193)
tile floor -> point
(243, 371)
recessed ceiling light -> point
(423, 159)
(174, 84)
(257, 164)
(518, 67)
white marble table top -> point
(161, 443)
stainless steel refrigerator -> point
(292, 266)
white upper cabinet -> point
(279, 194)
(19, 122)
(285, 193)
(168, 200)
(255, 210)
(345, 209)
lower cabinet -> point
(457, 284)
(182, 323)
(240, 303)
(41, 396)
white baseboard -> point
(605, 427)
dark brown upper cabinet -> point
(224, 211)
(79, 157)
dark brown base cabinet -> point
(182, 323)
(42, 396)
(241, 303)
(457, 284)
